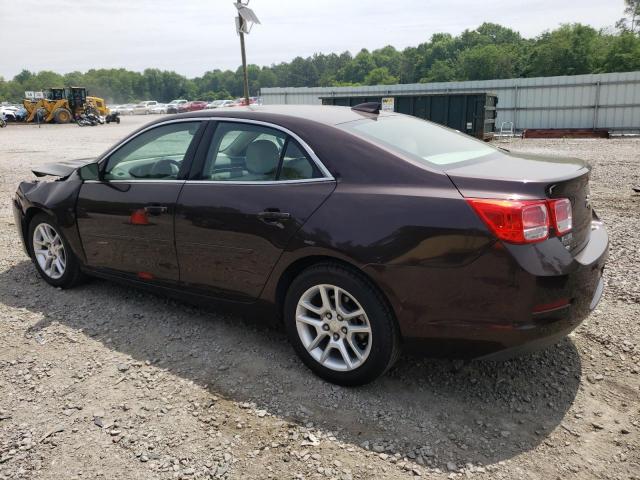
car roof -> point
(325, 114)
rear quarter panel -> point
(405, 238)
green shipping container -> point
(473, 113)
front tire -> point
(340, 325)
(51, 254)
(62, 116)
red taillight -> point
(561, 215)
(524, 221)
(514, 221)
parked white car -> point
(8, 113)
(126, 109)
(144, 108)
(159, 108)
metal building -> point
(605, 100)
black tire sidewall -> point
(383, 327)
(72, 269)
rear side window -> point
(253, 153)
(421, 140)
(296, 165)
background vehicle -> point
(126, 109)
(158, 108)
(88, 118)
(144, 108)
(9, 113)
(194, 106)
(214, 104)
(242, 102)
(220, 104)
(174, 105)
(61, 105)
(449, 251)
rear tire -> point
(51, 253)
(359, 332)
(62, 115)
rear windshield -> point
(424, 141)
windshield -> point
(424, 141)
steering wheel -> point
(166, 167)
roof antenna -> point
(369, 107)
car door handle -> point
(273, 215)
(156, 209)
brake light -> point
(514, 221)
(561, 215)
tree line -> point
(491, 51)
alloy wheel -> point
(49, 251)
(333, 327)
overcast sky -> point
(193, 36)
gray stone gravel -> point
(107, 382)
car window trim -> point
(207, 132)
(259, 182)
(282, 154)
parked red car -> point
(194, 106)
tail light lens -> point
(561, 215)
(514, 221)
(524, 221)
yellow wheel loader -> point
(62, 105)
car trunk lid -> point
(516, 176)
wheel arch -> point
(296, 267)
(31, 212)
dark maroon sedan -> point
(363, 229)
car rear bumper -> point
(508, 301)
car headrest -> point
(262, 157)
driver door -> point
(125, 218)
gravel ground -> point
(107, 382)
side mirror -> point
(90, 172)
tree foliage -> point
(631, 21)
(489, 51)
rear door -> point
(252, 188)
(125, 218)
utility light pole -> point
(244, 21)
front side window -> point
(253, 153)
(156, 154)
